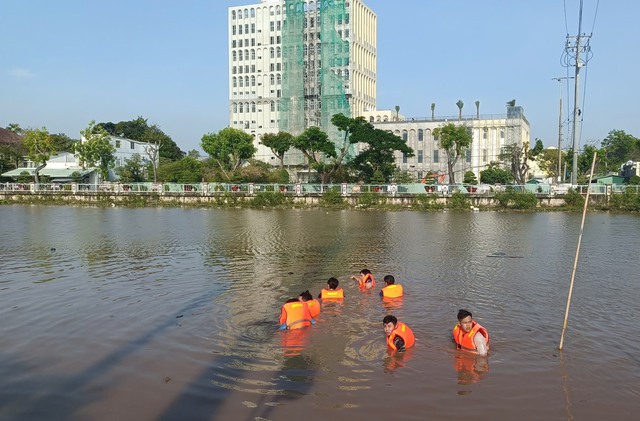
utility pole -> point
(575, 46)
(560, 174)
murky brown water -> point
(170, 314)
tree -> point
(518, 156)
(155, 139)
(495, 175)
(279, 144)
(548, 162)
(470, 178)
(96, 149)
(140, 130)
(185, 170)
(316, 146)
(454, 140)
(478, 110)
(15, 128)
(619, 147)
(229, 149)
(63, 143)
(433, 110)
(397, 112)
(460, 104)
(132, 171)
(39, 146)
(377, 159)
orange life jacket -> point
(337, 294)
(465, 340)
(314, 307)
(362, 282)
(296, 315)
(405, 333)
(392, 291)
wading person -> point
(294, 314)
(399, 336)
(312, 303)
(332, 292)
(469, 335)
(391, 289)
(365, 279)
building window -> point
(420, 135)
(405, 135)
(233, 29)
(132, 145)
(272, 26)
(235, 82)
(420, 157)
(273, 106)
(436, 156)
(484, 155)
(404, 158)
(485, 132)
(239, 55)
(501, 133)
(117, 144)
(468, 155)
(278, 52)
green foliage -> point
(24, 177)
(403, 177)
(63, 143)
(618, 148)
(454, 140)
(132, 171)
(511, 199)
(268, 199)
(369, 199)
(635, 180)
(333, 198)
(186, 170)
(39, 147)
(228, 149)
(376, 162)
(278, 143)
(495, 175)
(76, 176)
(470, 178)
(279, 176)
(628, 200)
(427, 202)
(459, 200)
(573, 199)
(96, 149)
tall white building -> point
(293, 64)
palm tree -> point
(478, 110)
(460, 104)
(433, 110)
(397, 111)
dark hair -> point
(463, 313)
(365, 272)
(389, 280)
(306, 296)
(390, 319)
(292, 300)
(333, 283)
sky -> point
(65, 63)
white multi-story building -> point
(490, 134)
(293, 64)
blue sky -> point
(65, 63)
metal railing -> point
(304, 189)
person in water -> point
(332, 291)
(399, 336)
(312, 303)
(294, 314)
(365, 280)
(391, 289)
(469, 335)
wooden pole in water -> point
(575, 262)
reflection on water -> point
(163, 314)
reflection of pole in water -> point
(565, 388)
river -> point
(171, 314)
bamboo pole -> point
(575, 262)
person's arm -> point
(283, 316)
(481, 344)
(399, 343)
